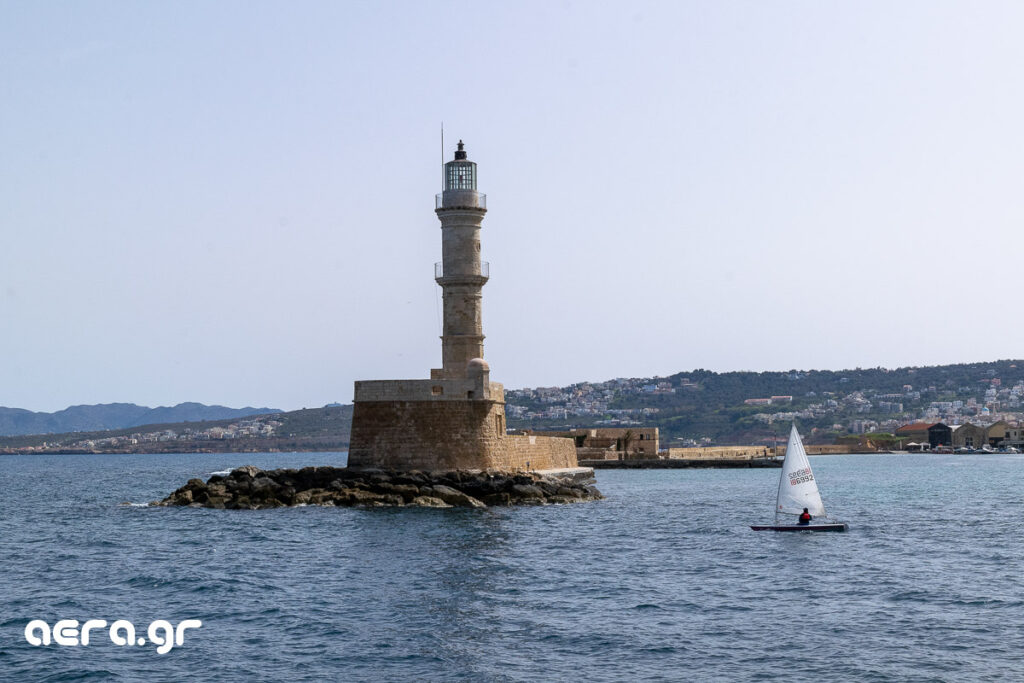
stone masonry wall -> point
(536, 453)
(721, 452)
(749, 452)
(447, 435)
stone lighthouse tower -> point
(456, 419)
(461, 273)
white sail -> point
(797, 488)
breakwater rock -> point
(250, 488)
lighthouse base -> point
(440, 432)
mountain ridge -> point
(112, 416)
(697, 407)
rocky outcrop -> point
(250, 488)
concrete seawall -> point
(719, 457)
(681, 463)
(747, 452)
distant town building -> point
(940, 435)
(996, 433)
(626, 442)
(915, 431)
(968, 435)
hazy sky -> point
(232, 202)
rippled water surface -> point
(662, 581)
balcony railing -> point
(461, 199)
(485, 271)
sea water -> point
(663, 580)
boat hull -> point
(838, 526)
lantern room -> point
(460, 174)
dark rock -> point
(456, 498)
(412, 477)
(245, 471)
(549, 488)
(429, 502)
(527, 491)
(406, 491)
(262, 494)
(377, 477)
(357, 497)
(251, 488)
(260, 483)
(563, 499)
(501, 498)
(486, 486)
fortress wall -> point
(447, 435)
(719, 453)
(422, 435)
(748, 452)
(825, 450)
(535, 453)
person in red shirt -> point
(805, 517)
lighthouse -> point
(460, 273)
(456, 419)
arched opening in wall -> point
(469, 394)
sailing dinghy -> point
(799, 490)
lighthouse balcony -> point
(462, 277)
(461, 199)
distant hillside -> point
(309, 429)
(709, 407)
(692, 408)
(94, 418)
